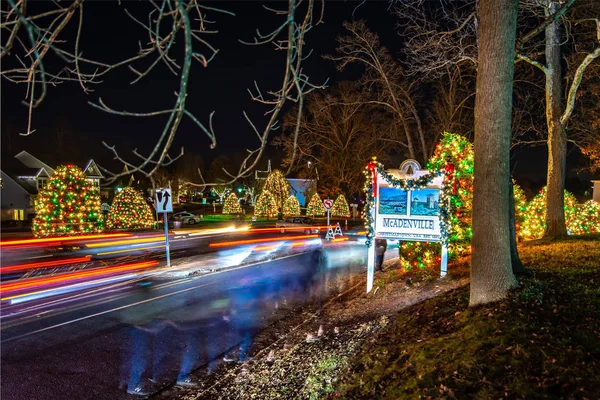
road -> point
(81, 344)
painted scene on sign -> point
(425, 202)
(392, 201)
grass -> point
(543, 341)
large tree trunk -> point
(491, 270)
(557, 141)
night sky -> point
(109, 35)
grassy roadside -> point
(541, 342)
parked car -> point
(303, 224)
(187, 218)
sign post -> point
(328, 203)
(164, 205)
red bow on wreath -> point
(449, 170)
(372, 167)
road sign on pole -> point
(164, 200)
(328, 203)
(164, 205)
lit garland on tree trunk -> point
(232, 205)
(68, 205)
(129, 210)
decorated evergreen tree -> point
(315, 206)
(68, 205)
(232, 205)
(129, 210)
(265, 205)
(291, 206)
(340, 207)
(278, 187)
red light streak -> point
(10, 287)
(62, 239)
(250, 241)
(43, 264)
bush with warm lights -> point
(585, 220)
(129, 210)
(68, 205)
(265, 205)
(534, 224)
(315, 207)
(291, 207)
(232, 205)
(340, 207)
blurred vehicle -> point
(183, 199)
(186, 218)
(303, 224)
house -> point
(596, 195)
(302, 189)
(22, 178)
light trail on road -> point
(43, 264)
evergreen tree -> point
(68, 205)
(232, 205)
(291, 206)
(278, 187)
(315, 206)
(265, 205)
(340, 207)
(129, 210)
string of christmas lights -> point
(68, 205)
(129, 210)
(291, 207)
(232, 205)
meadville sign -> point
(408, 223)
(406, 215)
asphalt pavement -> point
(88, 344)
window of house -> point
(41, 182)
(18, 215)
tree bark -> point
(491, 269)
(557, 140)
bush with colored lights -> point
(315, 207)
(340, 207)
(291, 207)
(232, 205)
(130, 211)
(265, 205)
(68, 205)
